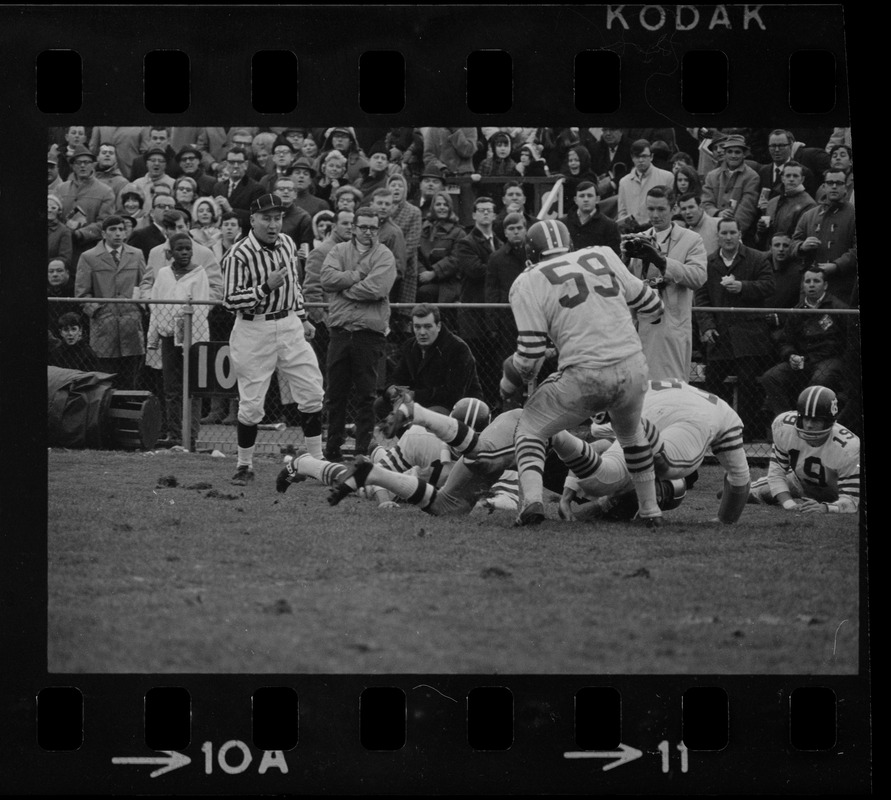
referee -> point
(270, 331)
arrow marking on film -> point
(624, 755)
(171, 761)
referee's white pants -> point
(257, 348)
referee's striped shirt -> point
(247, 266)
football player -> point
(486, 466)
(815, 463)
(582, 301)
(483, 458)
(418, 451)
(684, 423)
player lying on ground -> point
(484, 456)
(689, 423)
(815, 463)
(418, 451)
(487, 459)
(582, 302)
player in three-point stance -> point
(684, 424)
(582, 301)
(815, 463)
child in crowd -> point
(498, 161)
(182, 280)
(73, 351)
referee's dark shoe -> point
(399, 418)
(289, 473)
(243, 476)
(358, 471)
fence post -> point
(188, 311)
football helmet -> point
(547, 237)
(472, 412)
(821, 404)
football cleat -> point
(545, 238)
(398, 419)
(289, 473)
(243, 476)
(532, 514)
(820, 405)
(358, 471)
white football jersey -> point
(582, 301)
(673, 402)
(417, 447)
(828, 473)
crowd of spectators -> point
(740, 215)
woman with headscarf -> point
(576, 167)
(205, 228)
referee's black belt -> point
(267, 317)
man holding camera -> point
(672, 259)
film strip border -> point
(431, 733)
(443, 734)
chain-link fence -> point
(143, 344)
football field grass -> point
(157, 564)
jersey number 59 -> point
(581, 287)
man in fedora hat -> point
(189, 161)
(271, 332)
(731, 190)
(430, 183)
(303, 173)
(86, 201)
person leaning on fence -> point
(812, 347)
(736, 344)
(436, 365)
(270, 331)
(113, 269)
(357, 277)
(73, 350)
(182, 280)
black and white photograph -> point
(563, 400)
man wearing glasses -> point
(149, 236)
(825, 236)
(779, 145)
(189, 160)
(632, 214)
(357, 276)
(238, 191)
